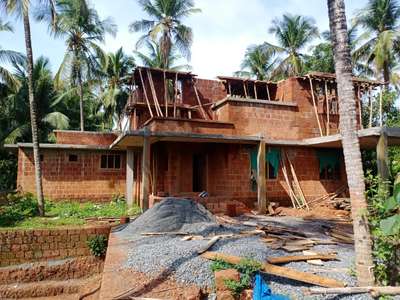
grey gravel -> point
(170, 256)
(171, 214)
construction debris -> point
(374, 290)
(209, 244)
(316, 262)
(291, 258)
(279, 271)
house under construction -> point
(241, 142)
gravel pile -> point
(173, 214)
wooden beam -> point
(315, 107)
(279, 271)
(370, 106)
(269, 97)
(145, 186)
(245, 89)
(359, 107)
(175, 93)
(203, 113)
(165, 94)
(130, 154)
(261, 183)
(145, 93)
(291, 258)
(154, 93)
(327, 108)
(382, 157)
(255, 90)
(375, 290)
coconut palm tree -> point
(21, 9)
(82, 29)
(153, 58)
(117, 67)
(15, 125)
(381, 39)
(350, 142)
(258, 63)
(8, 56)
(165, 25)
(293, 33)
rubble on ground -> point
(186, 227)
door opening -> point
(199, 172)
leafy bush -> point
(247, 267)
(19, 207)
(384, 221)
(8, 171)
(97, 245)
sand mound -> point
(174, 214)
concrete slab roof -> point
(135, 138)
(56, 146)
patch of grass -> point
(247, 267)
(22, 212)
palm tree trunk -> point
(165, 45)
(350, 142)
(386, 74)
(33, 113)
(80, 91)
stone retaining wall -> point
(21, 246)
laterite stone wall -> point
(21, 246)
(82, 180)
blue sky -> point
(221, 32)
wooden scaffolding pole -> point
(165, 94)
(229, 89)
(203, 113)
(359, 107)
(269, 97)
(245, 89)
(255, 90)
(175, 93)
(370, 106)
(315, 106)
(327, 108)
(154, 93)
(145, 93)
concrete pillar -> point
(145, 187)
(382, 157)
(130, 154)
(261, 184)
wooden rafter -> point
(203, 113)
(327, 108)
(165, 94)
(315, 106)
(145, 93)
(154, 93)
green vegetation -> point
(247, 267)
(22, 212)
(384, 219)
(97, 245)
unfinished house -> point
(232, 143)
